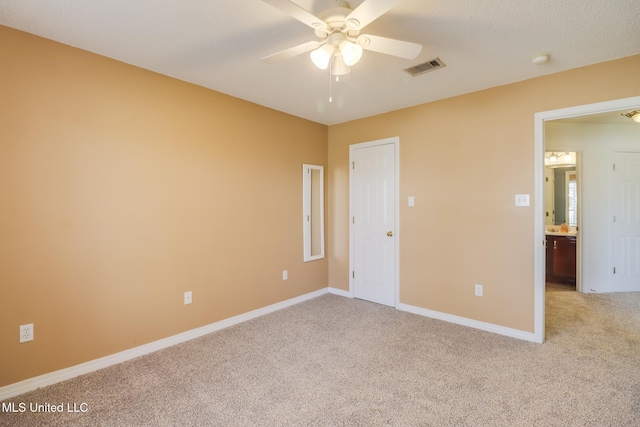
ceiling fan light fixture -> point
(321, 56)
(351, 52)
(338, 66)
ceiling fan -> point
(337, 28)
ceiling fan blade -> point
(367, 12)
(389, 46)
(297, 12)
(292, 51)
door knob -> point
(390, 233)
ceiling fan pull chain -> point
(330, 98)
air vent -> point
(434, 64)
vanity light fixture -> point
(633, 115)
(555, 157)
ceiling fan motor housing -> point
(338, 3)
(334, 17)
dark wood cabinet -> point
(561, 259)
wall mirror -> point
(313, 211)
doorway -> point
(540, 121)
(562, 197)
(373, 234)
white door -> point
(625, 200)
(373, 221)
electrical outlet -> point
(285, 274)
(188, 298)
(478, 290)
(26, 332)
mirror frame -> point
(308, 219)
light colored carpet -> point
(334, 361)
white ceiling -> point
(219, 44)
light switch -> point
(412, 201)
(522, 200)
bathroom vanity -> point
(561, 258)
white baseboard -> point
(31, 384)
(340, 292)
(484, 326)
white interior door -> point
(373, 221)
(625, 200)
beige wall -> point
(120, 189)
(464, 159)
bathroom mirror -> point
(313, 211)
(561, 188)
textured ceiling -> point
(219, 45)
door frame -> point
(539, 202)
(395, 141)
